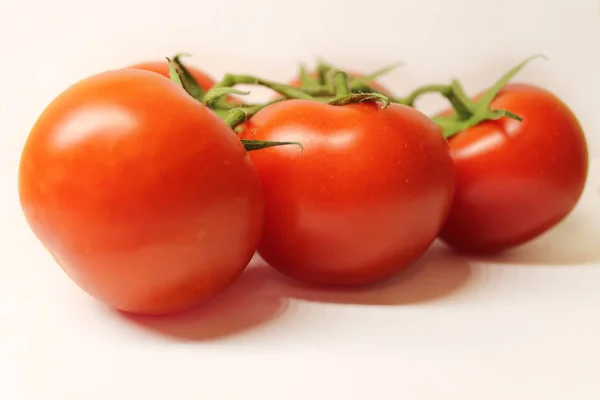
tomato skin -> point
(515, 180)
(145, 198)
(365, 197)
(162, 68)
(375, 85)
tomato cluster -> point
(153, 187)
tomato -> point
(162, 68)
(146, 199)
(375, 85)
(366, 196)
(515, 180)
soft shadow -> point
(575, 241)
(247, 304)
(439, 273)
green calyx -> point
(330, 85)
(467, 112)
(216, 96)
(344, 94)
(236, 114)
(180, 75)
(322, 84)
(216, 100)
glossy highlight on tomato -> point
(145, 198)
(516, 180)
(365, 197)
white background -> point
(522, 326)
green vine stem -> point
(359, 98)
(362, 84)
(344, 95)
(213, 98)
(323, 70)
(287, 91)
(232, 117)
(305, 79)
(250, 110)
(467, 112)
(340, 80)
(335, 91)
(174, 74)
(415, 94)
(235, 117)
(319, 85)
(323, 86)
(187, 79)
(240, 114)
(462, 104)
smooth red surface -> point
(145, 197)
(515, 180)
(366, 196)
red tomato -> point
(296, 82)
(365, 197)
(515, 180)
(162, 68)
(144, 196)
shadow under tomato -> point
(439, 273)
(245, 305)
(262, 294)
(576, 240)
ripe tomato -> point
(375, 85)
(365, 197)
(144, 196)
(162, 68)
(515, 180)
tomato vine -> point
(334, 86)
